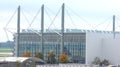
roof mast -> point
(42, 28)
(62, 30)
(114, 26)
(18, 32)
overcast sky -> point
(79, 14)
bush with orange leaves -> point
(64, 58)
(27, 54)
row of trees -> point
(63, 58)
(97, 61)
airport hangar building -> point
(82, 46)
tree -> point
(39, 55)
(105, 62)
(96, 61)
(27, 54)
(64, 58)
(51, 58)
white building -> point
(100, 44)
(103, 45)
(83, 46)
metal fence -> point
(64, 65)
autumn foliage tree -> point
(27, 54)
(51, 58)
(63, 58)
(39, 55)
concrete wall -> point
(111, 50)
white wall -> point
(111, 50)
(102, 45)
(93, 46)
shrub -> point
(39, 55)
(105, 62)
(96, 61)
(51, 58)
(27, 54)
(64, 58)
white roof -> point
(13, 59)
(19, 59)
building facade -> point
(82, 46)
(74, 45)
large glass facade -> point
(74, 45)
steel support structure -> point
(42, 28)
(18, 32)
(114, 26)
(62, 30)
